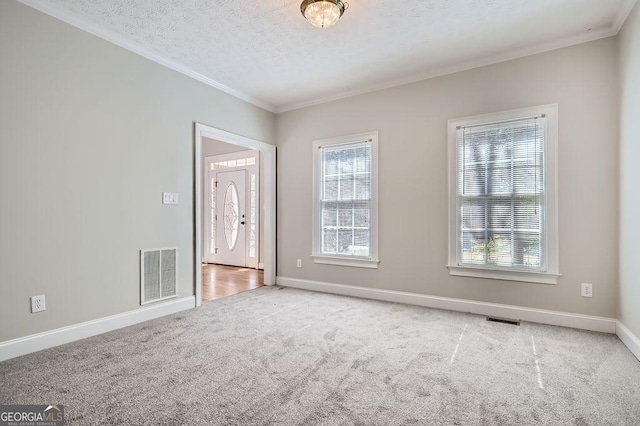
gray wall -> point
(412, 121)
(90, 136)
(629, 172)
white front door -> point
(231, 218)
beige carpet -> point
(285, 356)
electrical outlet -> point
(587, 290)
(299, 263)
(37, 304)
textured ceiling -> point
(265, 51)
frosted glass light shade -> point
(323, 13)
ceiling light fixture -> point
(323, 13)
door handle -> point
(242, 223)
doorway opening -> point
(234, 212)
(232, 220)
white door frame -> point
(268, 160)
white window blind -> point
(345, 202)
(501, 196)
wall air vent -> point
(158, 274)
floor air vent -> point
(503, 320)
(158, 274)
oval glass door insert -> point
(231, 215)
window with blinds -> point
(501, 193)
(345, 205)
(503, 203)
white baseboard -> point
(48, 339)
(628, 338)
(564, 319)
(260, 265)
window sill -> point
(346, 261)
(504, 274)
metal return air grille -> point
(158, 274)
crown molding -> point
(85, 25)
(592, 35)
(47, 8)
(623, 14)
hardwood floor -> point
(221, 280)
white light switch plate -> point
(169, 198)
(587, 290)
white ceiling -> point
(265, 52)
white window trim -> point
(551, 275)
(353, 261)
